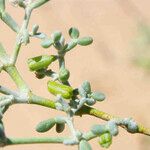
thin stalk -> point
(2, 5)
(33, 99)
(61, 62)
(85, 110)
(34, 140)
(15, 53)
(9, 21)
(14, 74)
(3, 56)
(37, 3)
(1, 67)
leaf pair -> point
(46, 125)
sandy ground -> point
(107, 64)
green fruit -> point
(105, 140)
(74, 33)
(84, 145)
(45, 125)
(64, 74)
(46, 43)
(98, 96)
(60, 127)
(40, 62)
(57, 88)
(85, 41)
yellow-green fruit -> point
(40, 62)
(56, 88)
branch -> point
(3, 56)
(85, 110)
(14, 74)
(7, 91)
(34, 140)
(37, 3)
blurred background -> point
(117, 63)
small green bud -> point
(98, 129)
(98, 96)
(56, 36)
(85, 41)
(56, 88)
(105, 140)
(70, 45)
(40, 62)
(60, 127)
(64, 74)
(74, 33)
(84, 145)
(45, 125)
(90, 101)
(86, 86)
(35, 29)
(46, 43)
